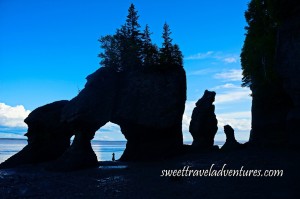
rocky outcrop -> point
(149, 112)
(288, 67)
(94, 105)
(48, 138)
(276, 107)
(231, 144)
(148, 106)
(270, 105)
(203, 125)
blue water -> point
(8, 147)
(103, 149)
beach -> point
(145, 180)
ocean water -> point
(103, 149)
(9, 147)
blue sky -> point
(48, 47)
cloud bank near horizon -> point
(12, 124)
(13, 116)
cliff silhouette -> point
(270, 62)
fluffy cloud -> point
(219, 56)
(13, 116)
(231, 75)
(110, 132)
(111, 127)
(200, 56)
(189, 106)
(225, 86)
(240, 121)
(201, 72)
(234, 96)
(230, 60)
(229, 93)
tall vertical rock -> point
(270, 105)
(288, 67)
(204, 124)
(276, 104)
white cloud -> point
(240, 121)
(220, 56)
(104, 137)
(229, 93)
(231, 75)
(110, 132)
(225, 86)
(230, 60)
(13, 116)
(234, 96)
(189, 107)
(197, 56)
(201, 72)
(109, 126)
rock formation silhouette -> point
(48, 137)
(231, 143)
(203, 125)
(288, 67)
(148, 106)
(275, 72)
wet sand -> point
(143, 180)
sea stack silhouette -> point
(148, 106)
(204, 124)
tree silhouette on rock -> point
(110, 57)
(167, 47)
(133, 40)
(129, 49)
(177, 56)
(258, 52)
(170, 55)
(150, 55)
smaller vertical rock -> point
(231, 143)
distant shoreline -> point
(185, 142)
(13, 139)
(217, 142)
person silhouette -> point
(113, 157)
